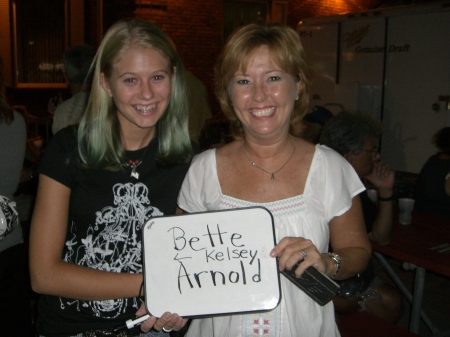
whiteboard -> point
(210, 263)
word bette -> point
(214, 247)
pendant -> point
(272, 176)
(134, 164)
(134, 174)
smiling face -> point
(140, 85)
(263, 95)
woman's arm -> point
(383, 178)
(349, 240)
(49, 273)
(382, 226)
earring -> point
(296, 98)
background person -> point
(313, 123)
(15, 306)
(215, 133)
(430, 193)
(199, 110)
(77, 61)
(101, 181)
(263, 86)
(355, 136)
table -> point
(364, 324)
(425, 244)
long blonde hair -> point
(99, 138)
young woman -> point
(101, 181)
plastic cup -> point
(406, 206)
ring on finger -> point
(305, 254)
(166, 330)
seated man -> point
(355, 136)
(77, 61)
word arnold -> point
(214, 247)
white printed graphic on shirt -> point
(113, 244)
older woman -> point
(262, 84)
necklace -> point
(272, 174)
(135, 163)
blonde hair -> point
(99, 136)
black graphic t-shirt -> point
(106, 213)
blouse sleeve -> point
(200, 190)
(335, 182)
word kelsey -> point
(217, 248)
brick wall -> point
(196, 25)
(298, 10)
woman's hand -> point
(291, 250)
(166, 322)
